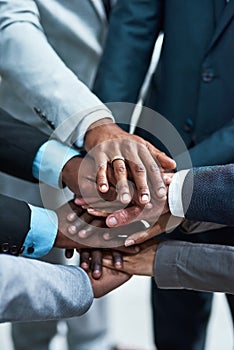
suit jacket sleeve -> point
(212, 194)
(15, 219)
(38, 291)
(134, 25)
(19, 143)
(35, 72)
(204, 267)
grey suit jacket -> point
(204, 267)
(49, 55)
(32, 290)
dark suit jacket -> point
(19, 143)
(192, 85)
(213, 194)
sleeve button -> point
(5, 247)
(30, 250)
(14, 250)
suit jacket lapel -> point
(225, 19)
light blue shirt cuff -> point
(50, 160)
(42, 234)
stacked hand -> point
(118, 183)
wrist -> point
(100, 123)
(70, 171)
(100, 131)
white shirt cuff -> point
(175, 193)
(50, 160)
(42, 234)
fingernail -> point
(72, 229)
(162, 192)
(118, 265)
(82, 233)
(71, 217)
(112, 221)
(129, 242)
(103, 188)
(84, 265)
(90, 210)
(126, 197)
(96, 273)
(106, 236)
(145, 198)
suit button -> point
(208, 75)
(188, 125)
(5, 247)
(13, 250)
(30, 250)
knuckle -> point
(143, 189)
(137, 211)
(120, 168)
(124, 216)
(139, 169)
(101, 178)
(154, 168)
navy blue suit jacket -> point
(213, 194)
(192, 86)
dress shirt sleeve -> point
(43, 231)
(50, 160)
(40, 77)
(175, 193)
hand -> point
(109, 280)
(64, 239)
(150, 213)
(165, 223)
(92, 232)
(72, 220)
(153, 212)
(91, 259)
(79, 173)
(106, 141)
(138, 264)
(89, 231)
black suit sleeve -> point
(15, 219)
(19, 143)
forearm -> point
(16, 152)
(64, 291)
(208, 194)
(15, 219)
(194, 266)
(40, 77)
